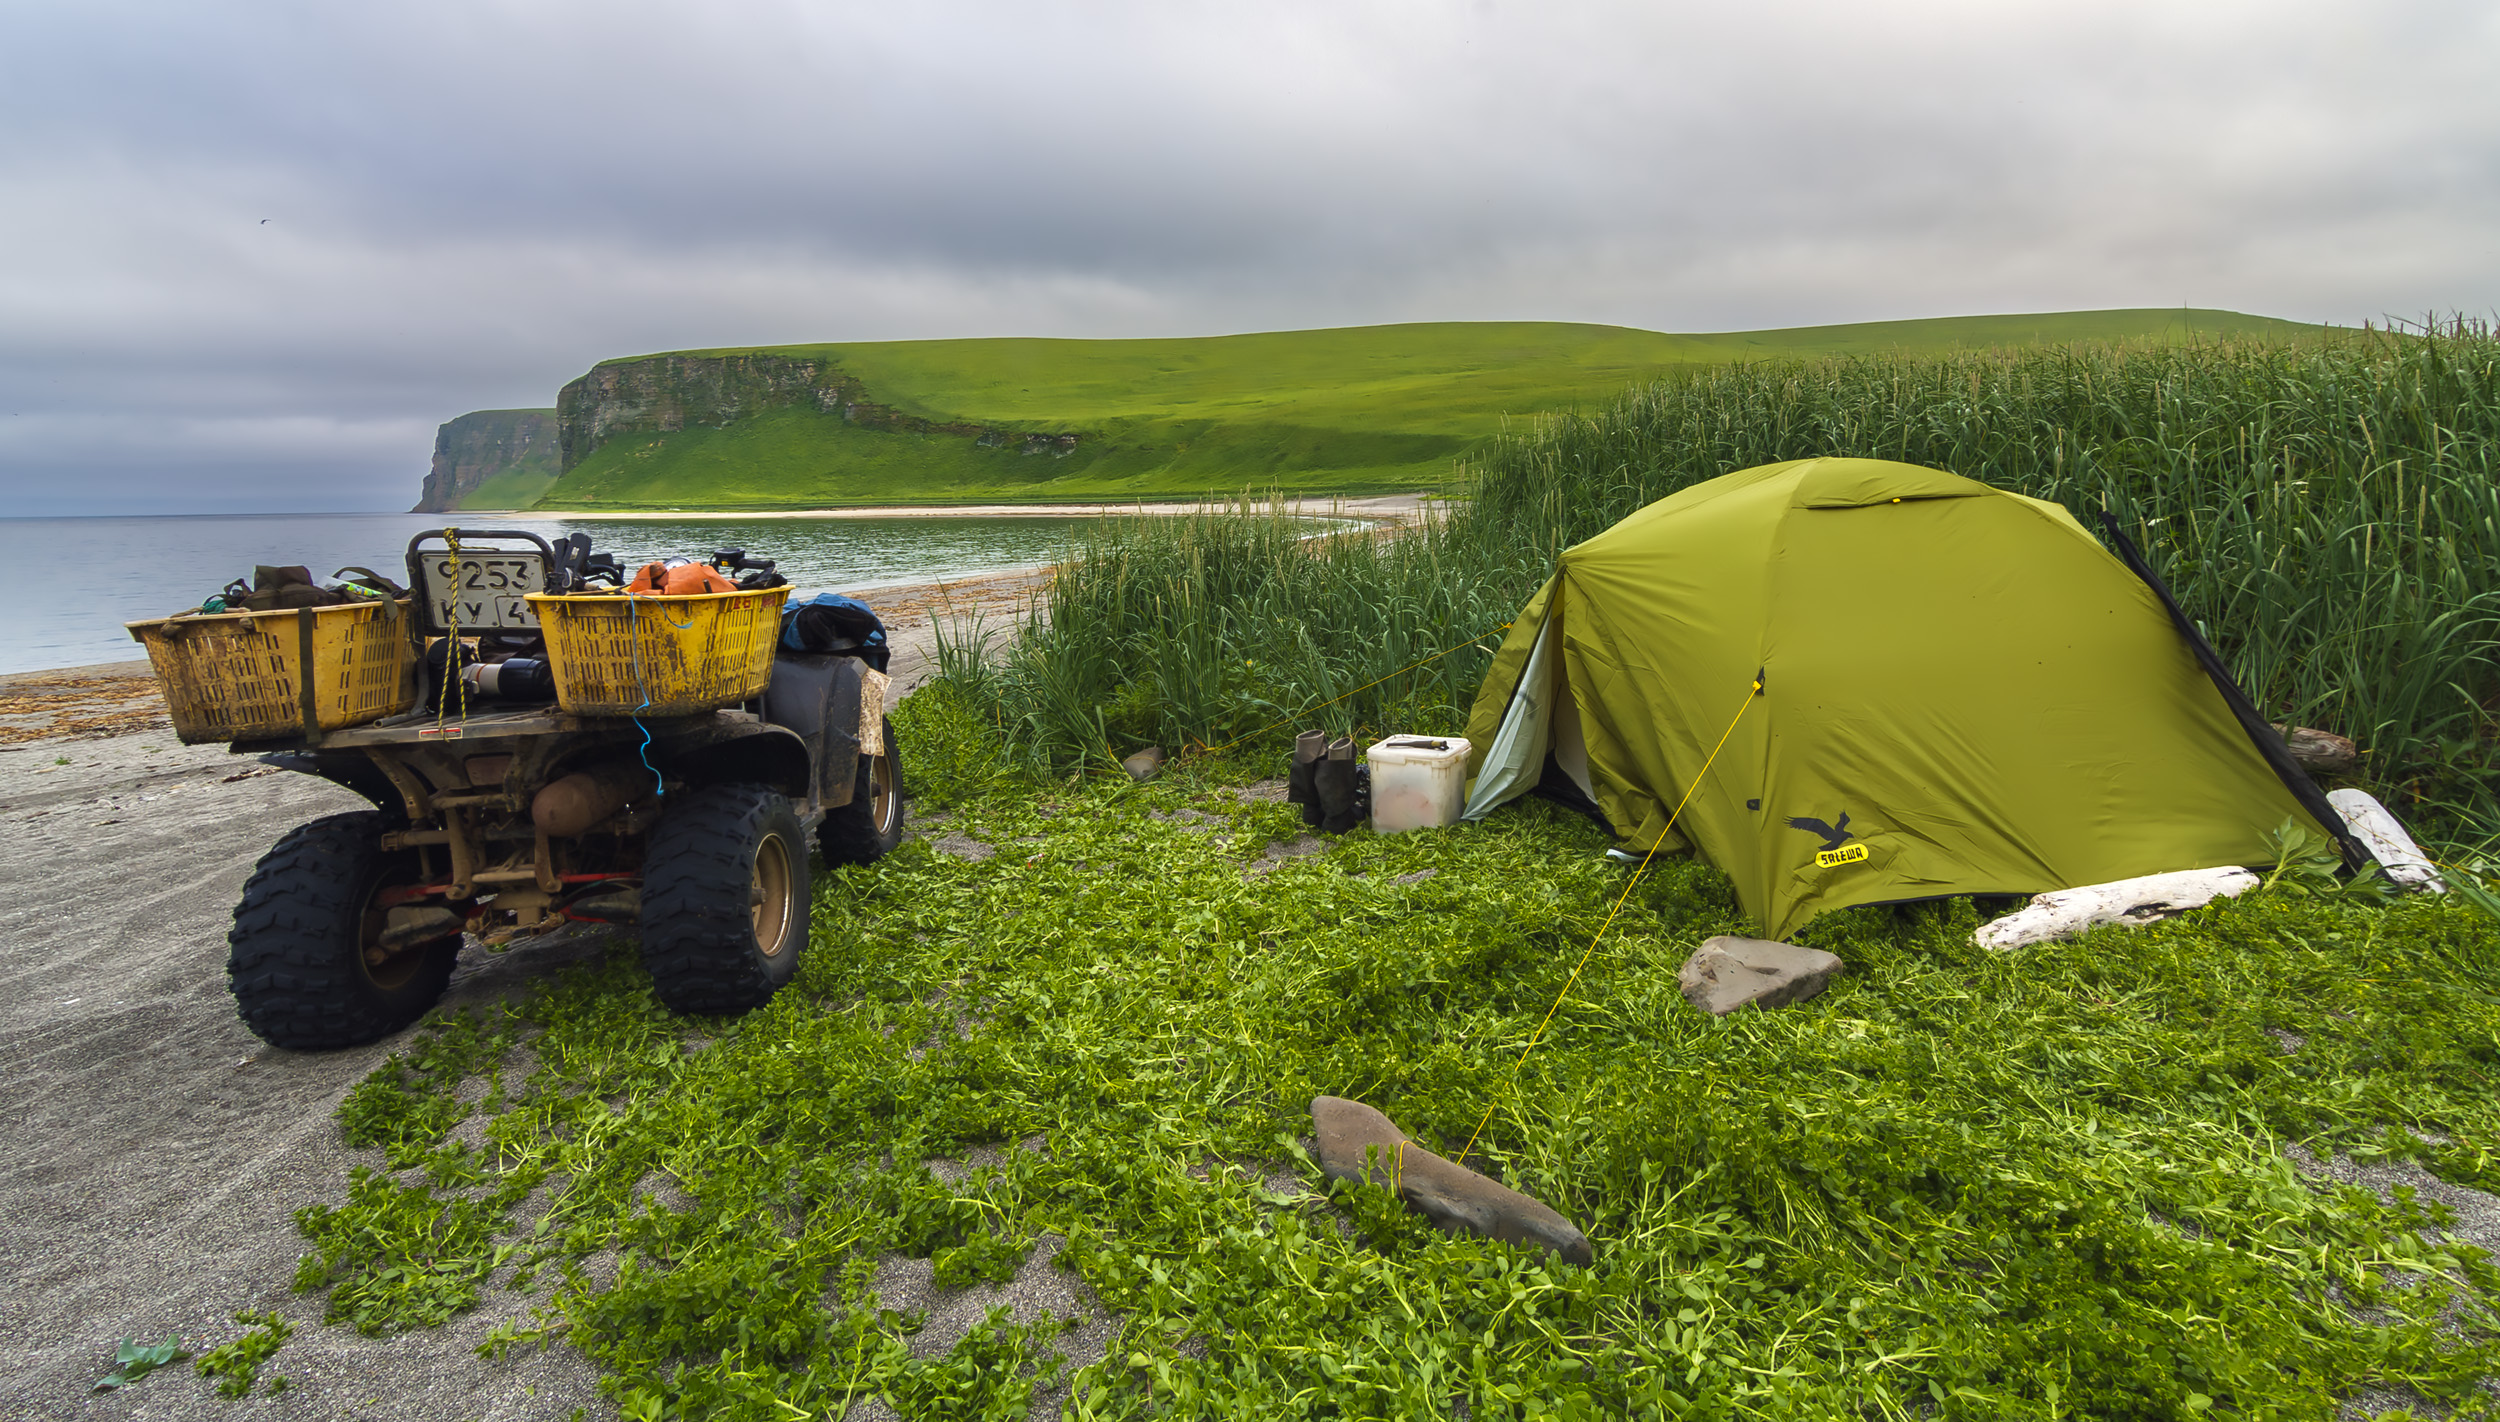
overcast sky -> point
(252, 254)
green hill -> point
(1354, 410)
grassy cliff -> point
(1353, 410)
(491, 459)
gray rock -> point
(1299, 847)
(1359, 1143)
(1726, 973)
(962, 846)
(1268, 791)
(1146, 764)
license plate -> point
(484, 591)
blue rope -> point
(633, 618)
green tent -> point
(1960, 691)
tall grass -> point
(1215, 629)
(2329, 511)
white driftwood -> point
(2407, 867)
(2063, 913)
(872, 711)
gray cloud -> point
(468, 204)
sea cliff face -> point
(664, 394)
(517, 448)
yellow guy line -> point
(1751, 693)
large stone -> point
(1146, 764)
(1727, 973)
(1357, 1142)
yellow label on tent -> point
(1834, 858)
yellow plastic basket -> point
(659, 656)
(248, 676)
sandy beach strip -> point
(1383, 508)
(161, 1149)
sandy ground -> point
(914, 615)
(1384, 508)
(159, 1151)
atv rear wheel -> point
(868, 828)
(302, 949)
(724, 898)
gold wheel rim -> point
(769, 895)
(885, 806)
(395, 969)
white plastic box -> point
(1418, 782)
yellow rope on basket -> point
(451, 642)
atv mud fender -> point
(727, 749)
(816, 696)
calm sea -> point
(88, 576)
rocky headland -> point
(488, 445)
(664, 394)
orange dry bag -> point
(685, 578)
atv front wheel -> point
(724, 898)
(868, 828)
(305, 958)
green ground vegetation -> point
(2328, 511)
(236, 1366)
(511, 489)
(2071, 1181)
(1361, 410)
(1960, 1184)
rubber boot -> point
(1340, 807)
(1307, 749)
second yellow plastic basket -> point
(246, 676)
(659, 656)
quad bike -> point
(497, 814)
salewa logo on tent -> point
(1836, 847)
(1834, 836)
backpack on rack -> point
(277, 587)
(830, 622)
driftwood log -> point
(2406, 866)
(2063, 913)
(2320, 752)
(2066, 912)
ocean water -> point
(91, 575)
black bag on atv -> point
(830, 622)
(290, 586)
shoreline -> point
(982, 593)
(1377, 508)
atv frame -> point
(509, 821)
